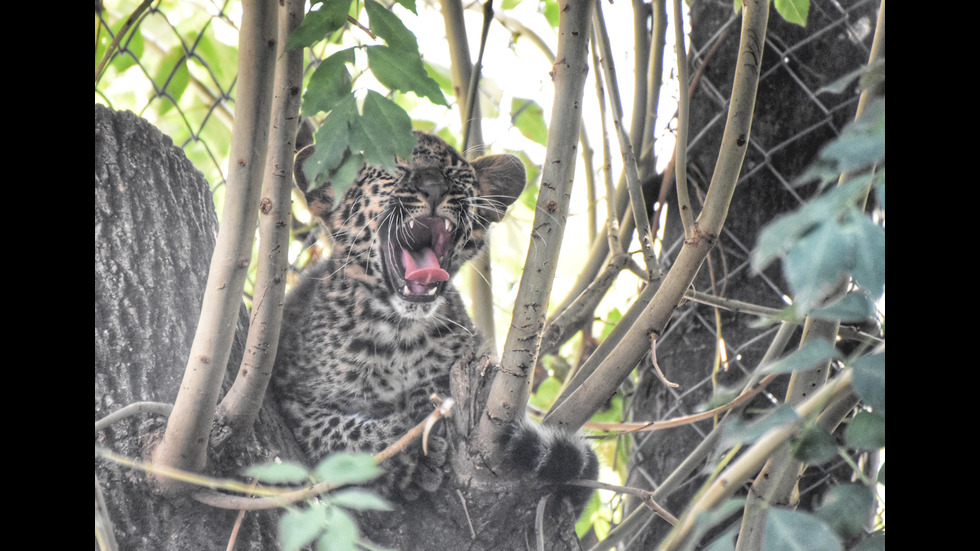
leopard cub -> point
(371, 333)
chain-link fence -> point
(703, 349)
(175, 64)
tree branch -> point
(594, 391)
(184, 444)
(512, 385)
(241, 405)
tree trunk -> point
(790, 125)
(154, 232)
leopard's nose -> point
(432, 185)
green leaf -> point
(298, 527)
(403, 71)
(409, 4)
(528, 117)
(861, 143)
(869, 253)
(546, 394)
(794, 11)
(215, 56)
(795, 531)
(552, 12)
(330, 83)
(318, 24)
(389, 27)
(739, 431)
(287, 472)
(815, 264)
(876, 542)
(866, 431)
(332, 141)
(811, 355)
(814, 445)
(881, 475)
(386, 131)
(869, 380)
(779, 235)
(360, 499)
(347, 468)
(876, 67)
(845, 509)
(341, 533)
(852, 307)
(172, 77)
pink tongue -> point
(425, 270)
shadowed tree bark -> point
(785, 115)
(154, 231)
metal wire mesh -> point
(163, 69)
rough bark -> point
(154, 231)
(783, 111)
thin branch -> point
(683, 109)
(602, 384)
(512, 385)
(184, 444)
(270, 497)
(131, 22)
(157, 408)
(751, 459)
(240, 407)
(626, 148)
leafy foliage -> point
(325, 521)
(380, 130)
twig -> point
(466, 512)
(158, 408)
(644, 495)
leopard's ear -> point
(320, 200)
(501, 180)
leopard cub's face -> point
(407, 233)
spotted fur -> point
(371, 333)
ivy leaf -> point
(853, 307)
(815, 264)
(845, 508)
(814, 445)
(795, 531)
(794, 11)
(811, 355)
(866, 431)
(869, 380)
(318, 24)
(741, 432)
(330, 83)
(403, 71)
(861, 143)
(869, 253)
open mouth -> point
(416, 257)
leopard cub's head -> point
(407, 232)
